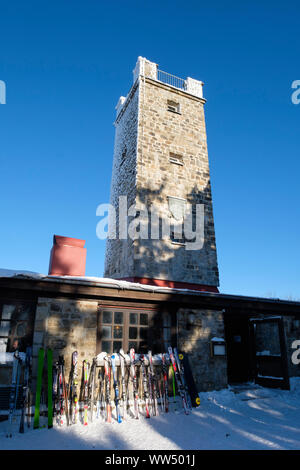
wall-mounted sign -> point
(217, 347)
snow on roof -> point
(91, 280)
(14, 273)
(126, 285)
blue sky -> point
(65, 64)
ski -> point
(62, 392)
(134, 383)
(13, 392)
(27, 380)
(152, 383)
(55, 391)
(92, 388)
(73, 383)
(116, 387)
(50, 396)
(189, 379)
(70, 391)
(165, 383)
(85, 391)
(159, 388)
(41, 357)
(75, 388)
(65, 394)
(122, 367)
(26, 390)
(179, 383)
(101, 400)
(107, 372)
(145, 385)
(182, 377)
(171, 376)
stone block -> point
(38, 338)
(55, 307)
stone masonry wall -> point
(162, 132)
(65, 325)
(119, 253)
(210, 373)
(146, 134)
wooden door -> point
(269, 352)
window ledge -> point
(176, 163)
(174, 112)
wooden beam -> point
(15, 287)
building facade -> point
(160, 166)
(94, 315)
(160, 290)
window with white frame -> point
(173, 107)
(176, 158)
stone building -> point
(156, 291)
(161, 162)
(68, 313)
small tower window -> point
(177, 208)
(175, 158)
(176, 238)
(173, 107)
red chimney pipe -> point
(67, 257)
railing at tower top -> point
(171, 80)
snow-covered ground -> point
(254, 418)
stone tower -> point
(161, 162)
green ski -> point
(50, 404)
(41, 357)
